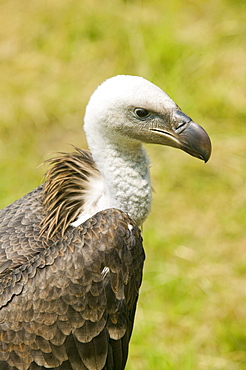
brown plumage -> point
(55, 291)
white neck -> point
(125, 171)
(125, 180)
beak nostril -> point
(180, 121)
(181, 127)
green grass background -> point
(53, 53)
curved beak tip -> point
(207, 153)
(205, 146)
(195, 141)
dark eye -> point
(141, 112)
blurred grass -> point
(191, 313)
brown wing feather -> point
(57, 308)
(20, 236)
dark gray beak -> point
(181, 132)
(195, 141)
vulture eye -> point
(141, 112)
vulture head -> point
(129, 110)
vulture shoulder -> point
(67, 300)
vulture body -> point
(71, 254)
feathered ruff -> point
(65, 188)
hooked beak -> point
(186, 135)
(195, 141)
